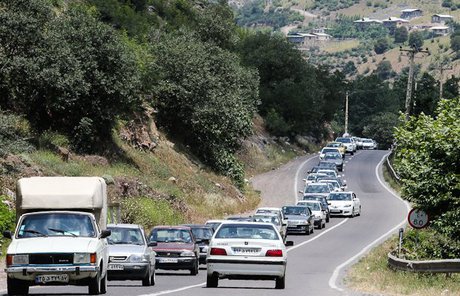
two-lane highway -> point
(316, 263)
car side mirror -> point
(105, 233)
(305, 180)
(300, 191)
(7, 234)
(152, 244)
(289, 243)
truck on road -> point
(60, 237)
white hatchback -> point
(344, 203)
(246, 251)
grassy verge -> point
(372, 275)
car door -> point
(356, 202)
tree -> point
(381, 127)
(349, 68)
(384, 70)
(205, 98)
(416, 39)
(427, 161)
(426, 96)
(455, 43)
(381, 45)
(401, 35)
(451, 88)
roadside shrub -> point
(149, 212)
(14, 133)
(7, 216)
(425, 244)
(50, 140)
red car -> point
(175, 247)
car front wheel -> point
(17, 287)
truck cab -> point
(59, 237)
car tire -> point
(212, 281)
(328, 218)
(147, 280)
(359, 212)
(280, 282)
(194, 270)
(352, 153)
(352, 215)
(104, 284)
(17, 287)
(153, 279)
(324, 225)
(94, 286)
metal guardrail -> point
(429, 266)
(390, 168)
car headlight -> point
(137, 258)
(81, 258)
(347, 206)
(20, 259)
(187, 254)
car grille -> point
(51, 258)
(117, 258)
(168, 254)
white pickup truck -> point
(60, 237)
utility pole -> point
(346, 112)
(411, 53)
(441, 70)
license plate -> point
(245, 251)
(52, 278)
(335, 211)
(167, 260)
(115, 267)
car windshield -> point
(343, 140)
(56, 224)
(312, 205)
(329, 150)
(332, 156)
(202, 232)
(333, 183)
(296, 211)
(125, 236)
(323, 188)
(267, 219)
(247, 231)
(170, 235)
(368, 141)
(329, 173)
(339, 196)
(333, 145)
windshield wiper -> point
(62, 231)
(34, 232)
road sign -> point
(418, 218)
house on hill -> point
(440, 30)
(364, 23)
(306, 39)
(411, 13)
(441, 18)
(392, 23)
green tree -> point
(455, 43)
(206, 98)
(381, 127)
(451, 88)
(426, 96)
(384, 70)
(416, 39)
(427, 160)
(381, 45)
(401, 35)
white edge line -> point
(175, 290)
(335, 274)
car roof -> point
(308, 201)
(123, 225)
(171, 227)
(215, 221)
(268, 208)
(197, 226)
(246, 223)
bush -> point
(428, 244)
(50, 140)
(149, 212)
(14, 133)
(7, 216)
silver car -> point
(130, 258)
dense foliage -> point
(14, 134)
(427, 160)
(332, 5)
(7, 216)
(343, 27)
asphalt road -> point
(316, 263)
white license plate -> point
(245, 251)
(115, 267)
(168, 260)
(335, 211)
(52, 278)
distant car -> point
(344, 203)
(130, 258)
(338, 145)
(359, 142)
(328, 150)
(240, 218)
(318, 189)
(312, 178)
(274, 219)
(278, 211)
(318, 211)
(323, 201)
(203, 235)
(368, 144)
(176, 248)
(334, 158)
(247, 251)
(214, 224)
(333, 182)
(349, 144)
(300, 219)
(329, 173)
(328, 165)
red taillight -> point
(218, 252)
(9, 260)
(274, 253)
(92, 258)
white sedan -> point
(246, 251)
(344, 203)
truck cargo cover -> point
(61, 193)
